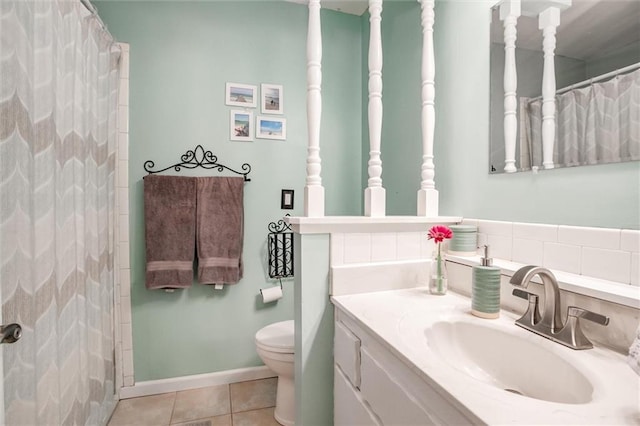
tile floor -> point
(238, 404)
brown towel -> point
(220, 229)
(170, 230)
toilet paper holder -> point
(280, 250)
(271, 294)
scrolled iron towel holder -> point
(198, 157)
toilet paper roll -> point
(271, 294)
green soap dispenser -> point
(485, 288)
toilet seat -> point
(277, 337)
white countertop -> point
(399, 318)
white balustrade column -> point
(374, 194)
(548, 21)
(509, 13)
(427, 194)
(313, 190)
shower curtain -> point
(596, 124)
(58, 100)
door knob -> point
(10, 333)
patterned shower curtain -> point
(594, 125)
(58, 99)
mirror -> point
(597, 70)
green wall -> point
(182, 53)
(600, 196)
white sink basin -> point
(505, 360)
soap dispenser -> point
(485, 288)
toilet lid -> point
(277, 337)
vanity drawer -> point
(352, 409)
(393, 404)
(346, 353)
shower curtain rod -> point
(592, 80)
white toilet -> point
(274, 344)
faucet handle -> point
(532, 315)
(522, 294)
(571, 334)
(574, 311)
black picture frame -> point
(286, 199)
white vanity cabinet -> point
(373, 386)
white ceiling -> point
(588, 28)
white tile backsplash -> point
(500, 246)
(589, 237)
(570, 249)
(351, 248)
(483, 239)
(611, 265)
(535, 231)
(564, 257)
(630, 240)
(527, 251)
(493, 227)
(426, 247)
(357, 248)
(635, 269)
(337, 249)
(408, 245)
(604, 253)
(383, 247)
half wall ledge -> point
(356, 224)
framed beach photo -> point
(271, 128)
(272, 99)
(241, 126)
(242, 95)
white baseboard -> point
(174, 384)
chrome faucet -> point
(550, 324)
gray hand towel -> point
(170, 230)
(220, 229)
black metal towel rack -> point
(198, 157)
(280, 247)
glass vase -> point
(438, 277)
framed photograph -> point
(271, 128)
(286, 199)
(242, 95)
(241, 126)
(272, 99)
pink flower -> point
(440, 233)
